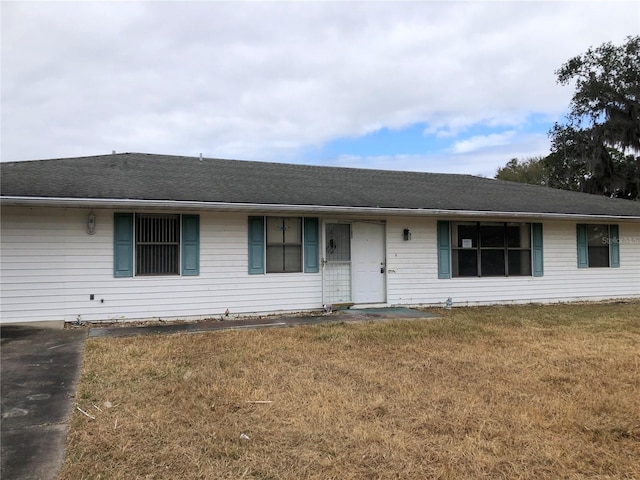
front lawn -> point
(496, 392)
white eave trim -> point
(259, 207)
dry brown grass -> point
(500, 392)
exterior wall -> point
(32, 261)
(413, 277)
(49, 267)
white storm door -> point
(336, 265)
(368, 262)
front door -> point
(368, 262)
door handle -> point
(381, 269)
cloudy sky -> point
(451, 86)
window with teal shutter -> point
(444, 250)
(495, 249)
(256, 245)
(156, 243)
(123, 244)
(190, 245)
(311, 241)
(598, 246)
(614, 246)
(283, 245)
(538, 259)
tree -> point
(596, 150)
(532, 171)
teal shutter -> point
(256, 245)
(444, 250)
(614, 247)
(311, 240)
(538, 260)
(583, 249)
(190, 245)
(123, 244)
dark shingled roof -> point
(163, 177)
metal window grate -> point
(157, 244)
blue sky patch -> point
(413, 141)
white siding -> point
(50, 266)
(413, 272)
(32, 252)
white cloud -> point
(480, 142)
(265, 80)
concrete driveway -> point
(40, 370)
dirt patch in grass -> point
(496, 392)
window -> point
(598, 250)
(490, 249)
(283, 245)
(156, 244)
(598, 246)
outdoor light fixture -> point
(406, 234)
(91, 223)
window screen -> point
(338, 248)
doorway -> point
(354, 266)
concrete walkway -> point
(346, 315)
(40, 370)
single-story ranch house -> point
(137, 236)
